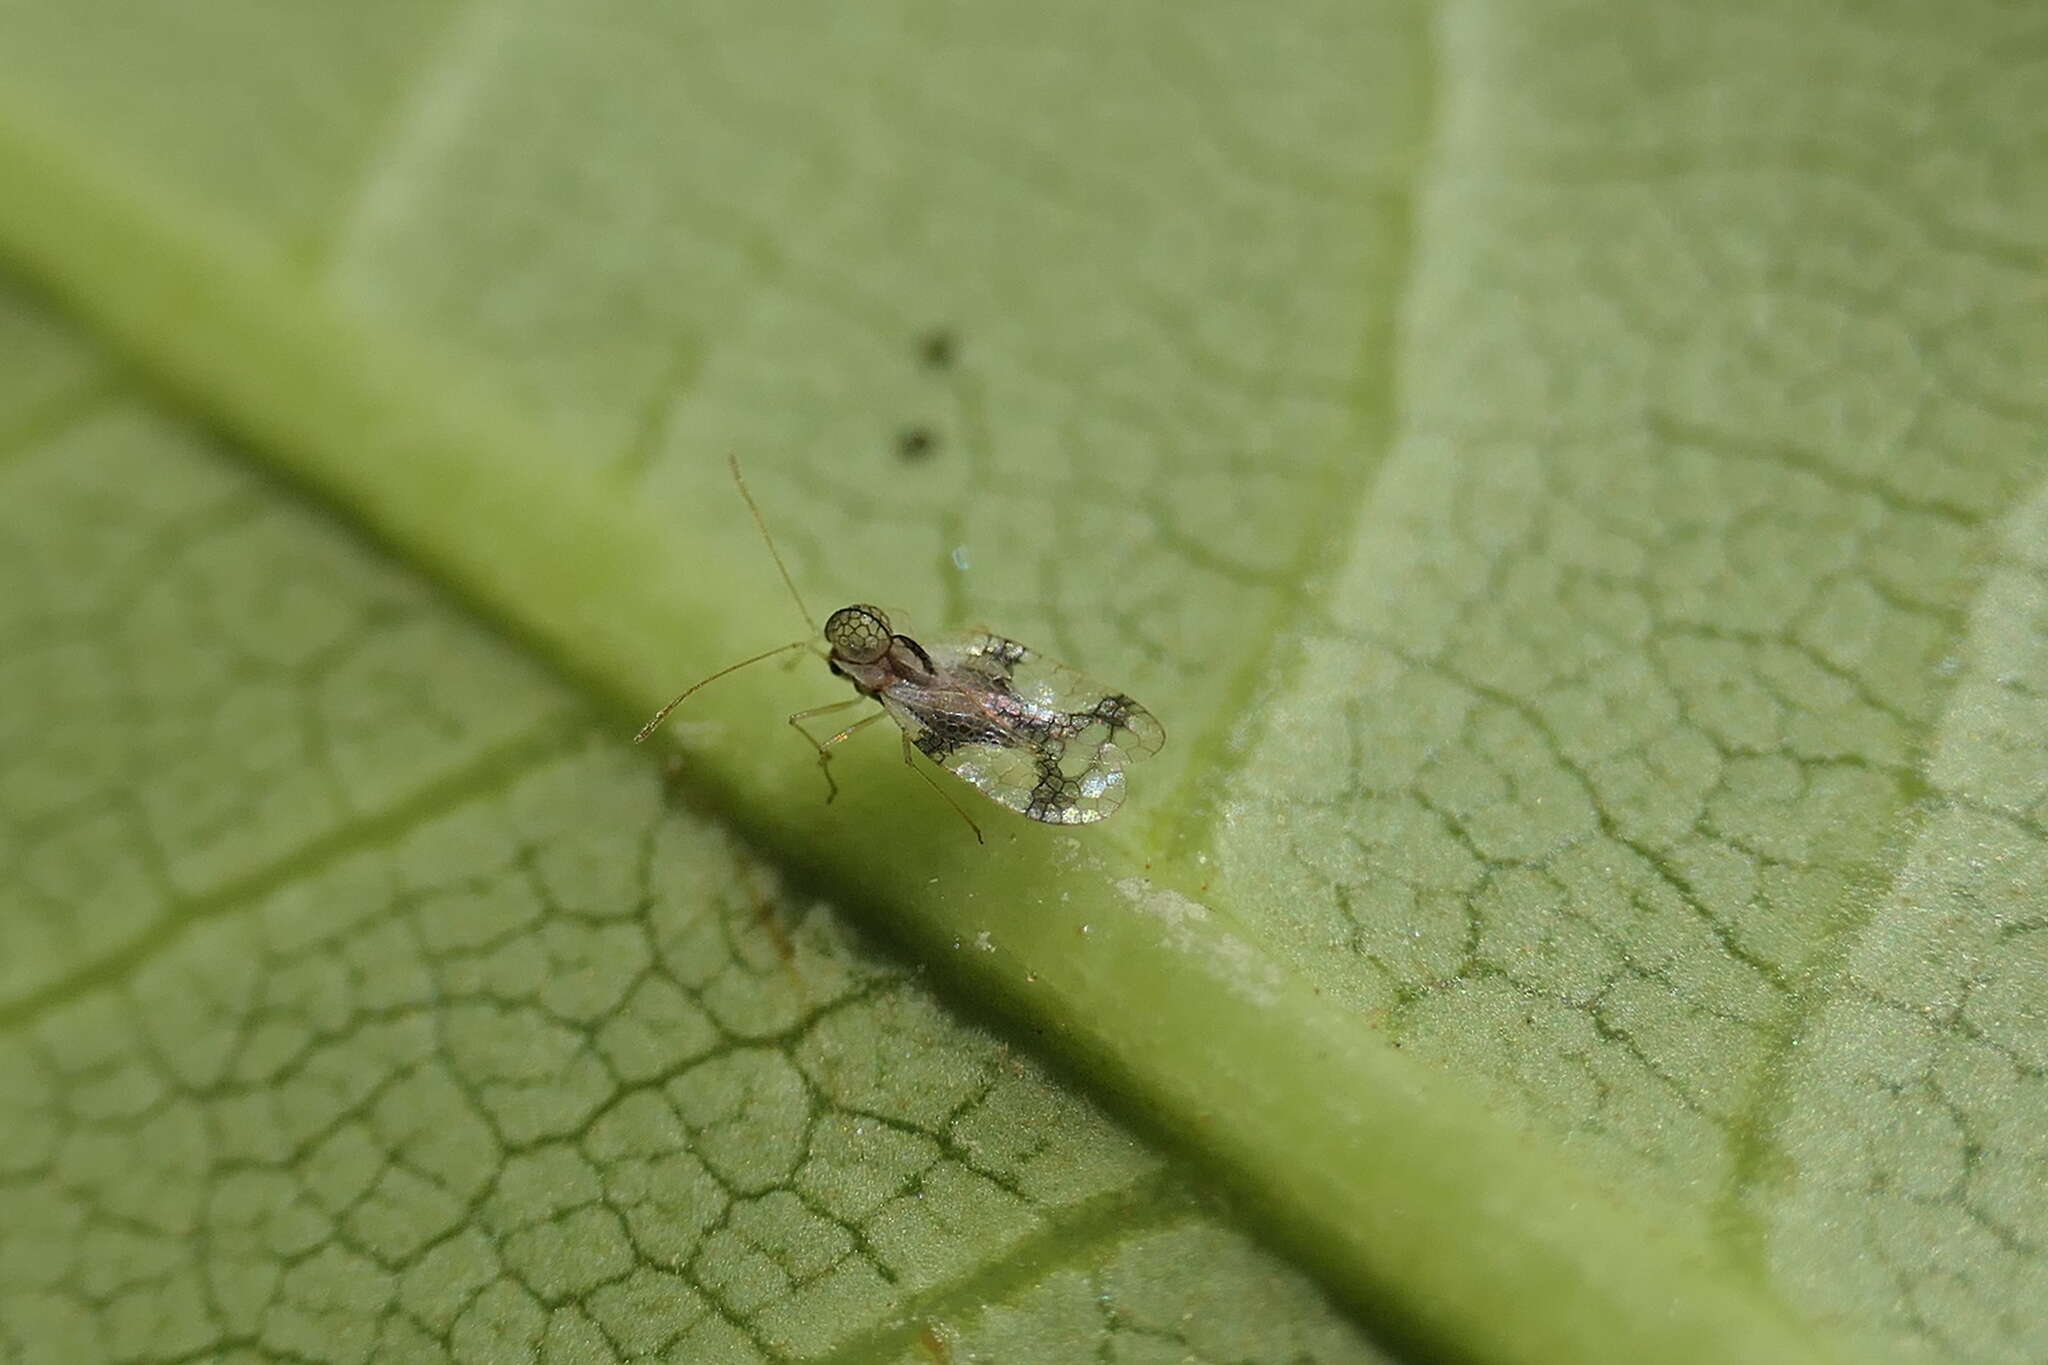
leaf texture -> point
(1566, 475)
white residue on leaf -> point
(1188, 930)
(1070, 852)
(1171, 906)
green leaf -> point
(348, 1018)
(1565, 475)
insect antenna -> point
(761, 523)
(659, 716)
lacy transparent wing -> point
(1028, 732)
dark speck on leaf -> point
(936, 349)
(914, 444)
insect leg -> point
(824, 748)
(910, 764)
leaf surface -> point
(1565, 475)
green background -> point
(1567, 475)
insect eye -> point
(859, 634)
